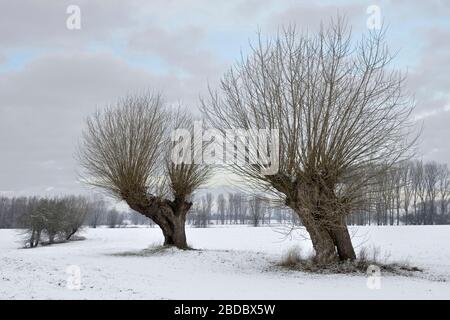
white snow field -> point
(234, 263)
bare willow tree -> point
(342, 118)
(126, 150)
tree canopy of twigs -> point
(126, 150)
(342, 115)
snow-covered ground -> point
(234, 263)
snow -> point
(236, 262)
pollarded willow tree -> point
(127, 151)
(342, 116)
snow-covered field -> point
(234, 263)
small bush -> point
(54, 220)
(291, 258)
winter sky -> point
(52, 77)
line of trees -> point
(237, 208)
(231, 208)
(100, 214)
(414, 192)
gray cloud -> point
(181, 49)
(171, 46)
(43, 109)
(429, 79)
(37, 24)
(434, 138)
(309, 15)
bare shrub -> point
(291, 258)
(55, 220)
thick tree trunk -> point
(170, 216)
(329, 242)
(342, 241)
(174, 233)
(323, 245)
(321, 240)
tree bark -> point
(322, 242)
(170, 216)
(330, 241)
(174, 234)
(342, 241)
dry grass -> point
(153, 250)
(366, 262)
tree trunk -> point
(170, 216)
(37, 238)
(342, 241)
(329, 242)
(31, 241)
(72, 232)
(321, 240)
(328, 230)
(174, 232)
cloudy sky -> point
(52, 77)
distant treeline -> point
(414, 193)
(17, 212)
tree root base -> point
(361, 265)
